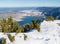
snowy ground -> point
(49, 34)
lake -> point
(28, 19)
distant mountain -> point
(54, 12)
(50, 11)
(45, 9)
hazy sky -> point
(29, 3)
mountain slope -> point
(49, 34)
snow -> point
(49, 34)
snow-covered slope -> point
(49, 34)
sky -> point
(29, 3)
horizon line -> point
(32, 6)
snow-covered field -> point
(21, 14)
(49, 34)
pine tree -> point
(50, 18)
(25, 36)
(6, 29)
(11, 38)
(4, 41)
(3, 20)
(20, 29)
(36, 24)
(10, 20)
(10, 26)
(38, 27)
(27, 28)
